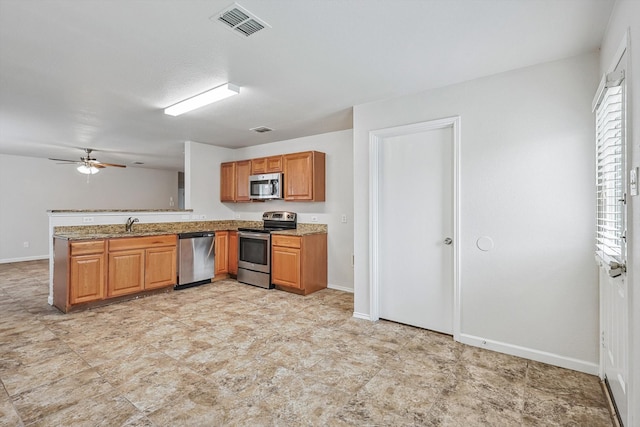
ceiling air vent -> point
(261, 129)
(240, 20)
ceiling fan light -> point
(88, 170)
(216, 94)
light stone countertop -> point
(112, 231)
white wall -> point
(31, 186)
(527, 182)
(338, 147)
(626, 17)
(202, 180)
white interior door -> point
(415, 217)
(611, 218)
(614, 294)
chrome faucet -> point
(129, 225)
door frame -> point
(376, 137)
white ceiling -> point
(99, 73)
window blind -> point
(610, 173)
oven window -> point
(254, 250)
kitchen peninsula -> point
(147, 253)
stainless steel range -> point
(254, 248)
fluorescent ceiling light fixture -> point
(205, 98)
(88, 170)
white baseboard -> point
(28, 258)
(528, 353)
(340, 288)
(361, 316)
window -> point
(610, 167)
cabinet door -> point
(271, 164)
(274, 164)
(285, 266)
(228, 182)
(258, 166)
(160, 267)
(233, 252)
(87, 278)
(222, 253)
(243, 170)
(304, 176)
(126, 272)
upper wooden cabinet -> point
(234, 181)
(262, 165)
(243, 170)
(304, 176)
(228, 182)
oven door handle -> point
(261, 236)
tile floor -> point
(231, 354)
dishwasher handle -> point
(212, 248)
(196, 234)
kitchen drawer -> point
(127, 243)
(286, 241)
(87, 247)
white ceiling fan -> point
(89, 165)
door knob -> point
(448, 241)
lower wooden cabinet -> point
(86, 281)
(221, 262)
(233, 253)
(299, 263)
(126, 272)
(141, 263)
(160, 267)
(285, 266)
(87, 272)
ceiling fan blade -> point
(64, 160)
(100, 164)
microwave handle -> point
(274, 187)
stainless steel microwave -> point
(266, 186)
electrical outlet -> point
(25, 244)
(314, 219)
(203, 217)
(237, 216)
(171, 201)
(343, 219)
(87, 219)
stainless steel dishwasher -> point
(195, 258)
